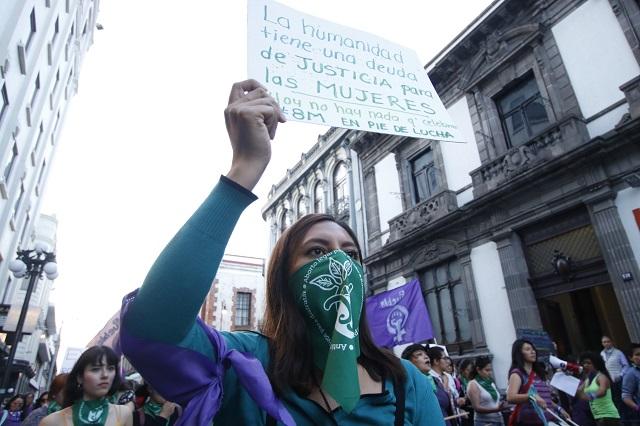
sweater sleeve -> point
(421, 401)
(168, 302)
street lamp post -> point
(32, 264)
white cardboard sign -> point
(566, 383)
(332, 75)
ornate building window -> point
(282, 223)
(424, 177)
(444, 293)
(340, 189)
(5, 101)
(242, 315)
(522, 111)
(318, 198)
(302, 207)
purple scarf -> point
(195, 381)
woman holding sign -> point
(316, 364)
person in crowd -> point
(42, 400)
(443, 391)
(597, 390)
(484, 395)
(156, 411)
(322, 366)
(466, 372)
(12, 413)
(616, 363)
(527, 373)
(93, 378)
(579, 408)
(125, 395)
(631, 388)
(27, 408)
(417, 354)
(56, 393)
(454, 382)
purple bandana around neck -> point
(193, 380)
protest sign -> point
(323, 73)
(566, 383)
(399, 316)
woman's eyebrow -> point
(316, 240)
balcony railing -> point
(424, 213)
(557, 140)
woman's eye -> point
(317, 251)
(353, 254)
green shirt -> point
(602, 407)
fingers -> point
(239, 89)
(250, 90)
(266, 107)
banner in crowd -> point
(109, 335)
(399, 316)
(323, 73)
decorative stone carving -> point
(424, 213)
(631, 90)
(557, 140)
(433, 252)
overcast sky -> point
(144, 140)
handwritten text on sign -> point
(323, 73)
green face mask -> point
(330, 292)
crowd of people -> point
(608, 394)
(314, 362)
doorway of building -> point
(577, 320)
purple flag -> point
(399, 316)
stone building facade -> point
(236, 299)
(531, 223)
(325, 180)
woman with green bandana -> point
(484, 395)
(314, 362)
(93, 378)
(156, 411)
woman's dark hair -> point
(92, 356)
(408, 352)
(597, 361)
(481, 362)
(291, 361)
(13, 398)
(44, 395)
(464, 364)
(435, 353)
(517, 359)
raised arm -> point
(172, 293)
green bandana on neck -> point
(93, 412)
(330, 293)
(487, 385)
(53, 407)
(152, 408)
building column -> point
(524, 308)
(620, 261)
(475, 317)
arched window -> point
(340, 189)
(318, 198)
(282, 223)
(302, 207)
